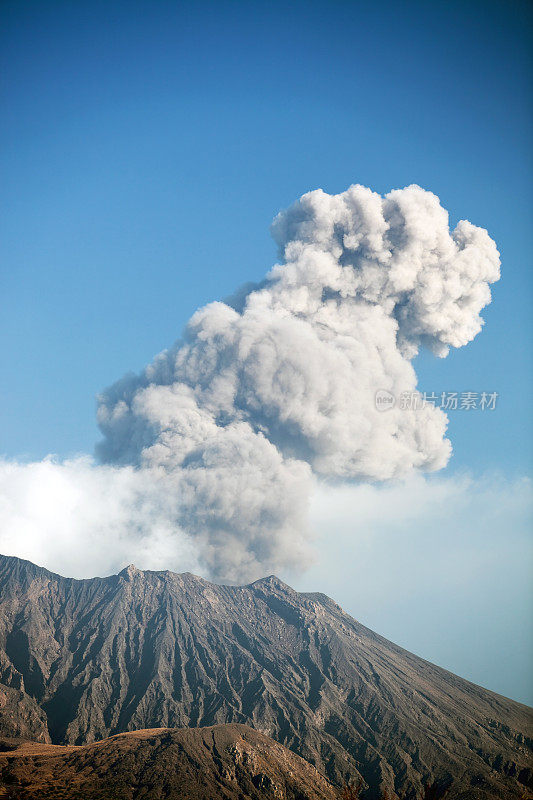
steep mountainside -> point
(152, 649)
(226, 761)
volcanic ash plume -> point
(276, 389)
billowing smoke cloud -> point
(276, 388)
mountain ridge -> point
(224, 761)
(160, 649)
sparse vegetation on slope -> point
(230, 762)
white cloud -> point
(81, 519)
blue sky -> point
(145, 149)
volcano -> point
(83, 660)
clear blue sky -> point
(146, 147)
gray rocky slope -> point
(92, 658)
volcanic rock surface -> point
(155, 649)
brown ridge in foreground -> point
(230, 762)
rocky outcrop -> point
(156, 649)
(20, 716)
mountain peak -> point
(130, 572)
(272, 581)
